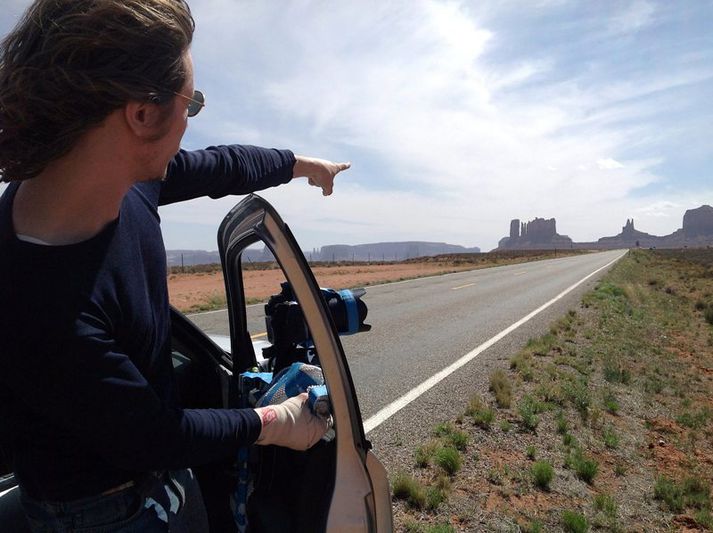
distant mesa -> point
(698, 222)
(191, 257)
(697, 231)
(387, 251)
(382, 251)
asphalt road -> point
(420, 327)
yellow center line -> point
(258, 335)
(520, 273)
(462, 286)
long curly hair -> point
(69, 63)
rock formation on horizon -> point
(537, 234)
(698, 222)
(697, 231)
(629, 238)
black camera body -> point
(287, 329)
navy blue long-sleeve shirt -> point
(86, 377)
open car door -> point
(338, 485)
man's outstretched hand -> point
(319, 172)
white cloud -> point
(608, 164)
(635, 15)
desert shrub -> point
(406, 487)
(495, 476)
(704, 518)
(708, 314)
(455, 437)
(528, 409)
(520, 360)
(443, 430)
(668, 492)
(653, 385)
(611, 404)
(577, 394)
(435, 496)
(611, 439)
(410, 526)
(584, 467)
(606, 504)
(502, 388)
(531, 452)
(542, 474)
(448, 459)
(568, 439)
(443, 483)
(482, 415)
(550, 393)
(542, 345)
(533, 527)
(561, 422)
(609, 290)
(564, 324)
(485, 418)
(458, 439)
(424, 454)
(697, 493)
(521, 363)
(694, 420)
(573, 522)
(614, 372)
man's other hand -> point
(291, 424)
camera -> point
(287, 329)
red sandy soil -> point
(188, 292)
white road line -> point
(395, 406)
(462, 286)
(520, 273)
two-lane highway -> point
(423, 326)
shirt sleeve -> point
(219, 171)
(85, 386)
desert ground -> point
(203, 291)
(202, 288)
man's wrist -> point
(301, 167)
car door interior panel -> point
(345, 497)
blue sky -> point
(458, 116)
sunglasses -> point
(195, 103)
